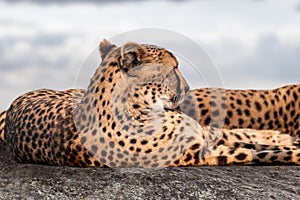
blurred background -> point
(43, 44)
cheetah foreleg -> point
(265, 137)
(225, 155)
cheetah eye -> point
(175, 98)
(135, 63)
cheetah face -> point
(159, 85)
(145, 65)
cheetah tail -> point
(2, 123)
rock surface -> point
(24, 181)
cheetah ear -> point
(131, 53)
(105, 47)
(131, 47)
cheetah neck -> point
(109, 131)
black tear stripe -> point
(178, 89)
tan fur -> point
(277, 109)
(128, 117)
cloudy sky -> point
(237, 44)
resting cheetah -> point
(277, 109)
(128, 117)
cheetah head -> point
(147, 66)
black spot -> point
(125, 128)
(97, 164)
(258, 106)
(241, 156)
(273, 158)
(292, 113)
(236, 144)
(239, 102)
(119, 155)
(113, 125)
(165, 128)
(270, 124)
(229, 113)
(222, 160)
(176, 162)
(239, 112)
(280, 111)
(162, 136)
(188, 157)
(133, 141)
(170, 134)
(121, 143)
(232, 105)
(131, 148)
(204, 111)
(249, 146)
(119, 133)
(144, 142)
(195, 146)
(273, 102)
(262, 155)
(247, 112)
(94, 148)
(150, 132)
(248, 103)
(136, 106)
(225, 136)
(295, 96)
(220, 142)
(207, 121)
(287, 158)
(238, 136)
(241, 122)
(227, 121)
(103, 160)
(181, 129)
(215, 113)
(213, 104)
(148, 151)
(112, 144)
(114, 64)
(83, 139)
(223, 105)
(201, 105)
(138, 150)
(267, 116)
(231, 151)
(94, 132)
(285, 117)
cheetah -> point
(277, 109)
(129, 117)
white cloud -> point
(254, 44)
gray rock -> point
(27, 181)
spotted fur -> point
(277, 109)
(128, 117)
